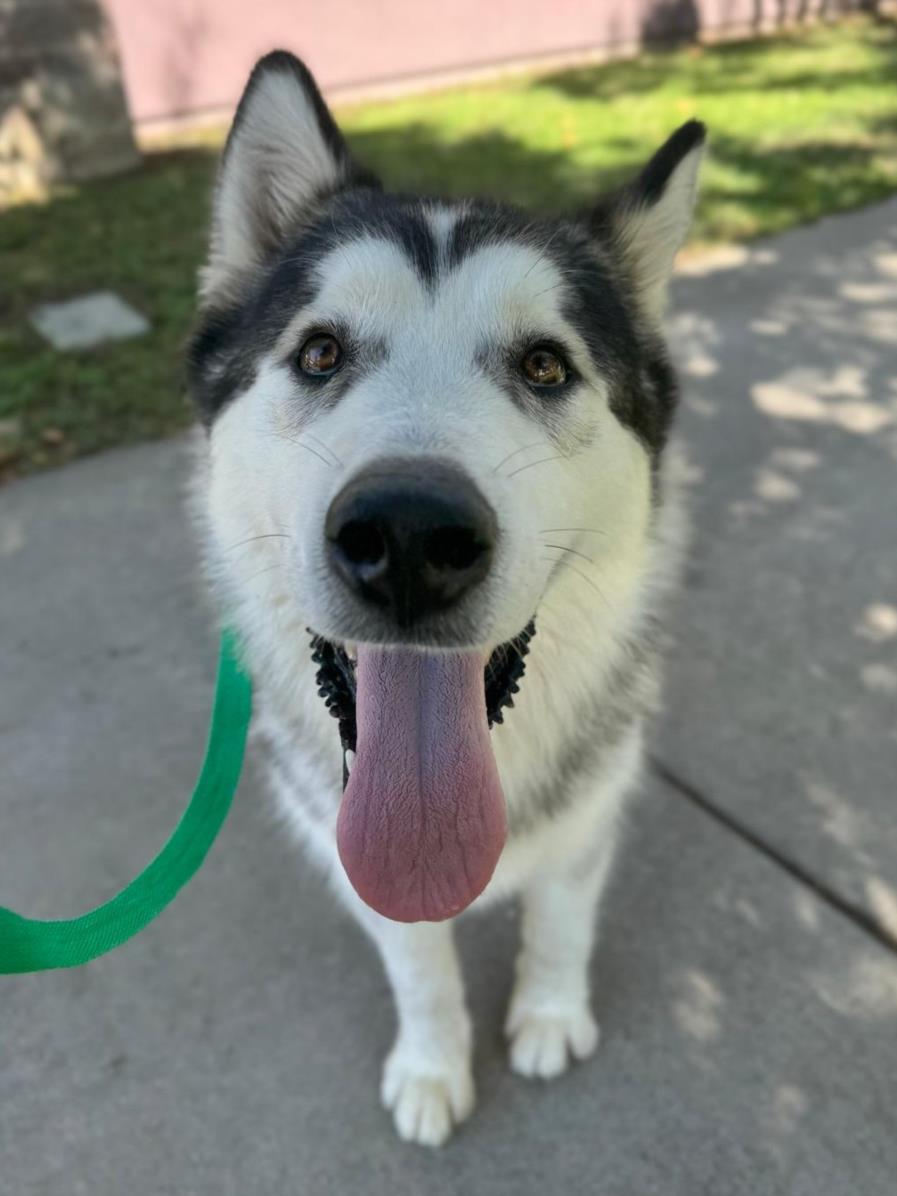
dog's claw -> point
(422, 1112)
(542, 1045)
(426, 1105)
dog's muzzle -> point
(422, 820)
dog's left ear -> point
(284, 152)
(648, 221)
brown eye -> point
(542, 367)
(320, 355)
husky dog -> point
(434, 496)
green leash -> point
(28, 945)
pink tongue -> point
(422, 821)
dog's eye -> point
(321, 354)
(543, 367)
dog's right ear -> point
(647, 221)
(284, 152)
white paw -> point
(544, 1043)
(428, 1097)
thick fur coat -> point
(433, 306)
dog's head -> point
(436, 410)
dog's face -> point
(441, 406)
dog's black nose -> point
(412, 537)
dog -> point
(436, 501)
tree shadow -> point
(748, 188)
(742, 65)
(416, 159)
(787, 184)
(786, 352)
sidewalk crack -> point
(860, 917)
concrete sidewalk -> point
(747, 975)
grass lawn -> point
(800, 125)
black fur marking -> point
(398, 219)
(652, 182)
(647, 188)
(625, 351)
(656, 396)
(223, 356)
(220, 364)
(487, 223)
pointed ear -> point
(283, 153)
(648, 221)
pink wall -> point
(182, 56)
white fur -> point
(264, 486)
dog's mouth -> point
(422, 820)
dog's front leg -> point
(427, 1080)
(550, 1018)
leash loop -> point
(31, 945)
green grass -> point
(801, 125)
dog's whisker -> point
(564, 548)
(560, 563)
(548, 531)
(307, 447)
(548, 290)
(554, 631)
(543, 251)
(252, 540)
(517, 452)
(337, 460)
(262, 572)
(532, 464)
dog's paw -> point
(427, 1097)
(544, 1042)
